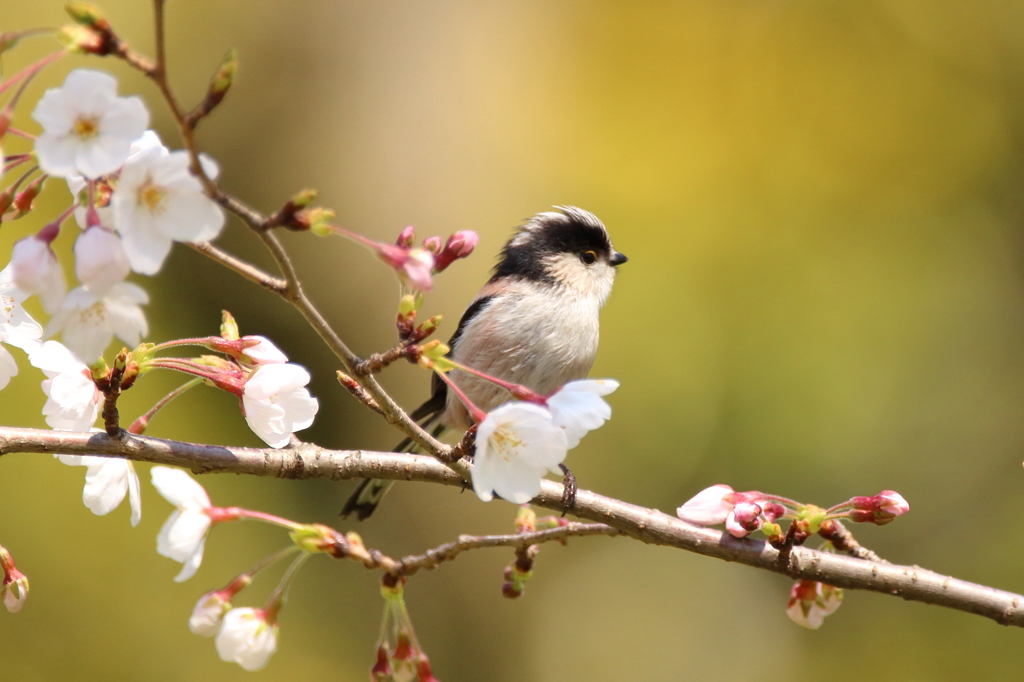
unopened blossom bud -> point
(774, 533)
(381, 670)
(409, 304)
(433, 245)
(526, 519)
(228, 326)
(224, 77)
(403, 646)
(708, 507)
(433, 355)
(406, 237)
(810, 601)
(771, 511)
(314, 538)
(880, 509)
(100, 261)
(459, 245)
(314, 220)
(23, 199)
(13, 583)
(83, 40)
(303, 199)
(87, 15)
(423, 671)
(208, 613)
(413, 266)
(511, 588)
(429, 326)
(744, 519)
(35, 270)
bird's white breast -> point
(530, 334)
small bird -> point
(534, 323)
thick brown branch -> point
(647, 525)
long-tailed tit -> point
(534, 323)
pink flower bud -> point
(771, 511)
(412, 265)
(810, 601)
(381, 669)
(208, 613)
(893, 503)
(708, 507)
(744, 519)
(13, 583)
(406, 237)
(423, 671)
(100, 261)
(35, 269)
(403, 647)
(459, 245)
(432, 244)
(880, 509)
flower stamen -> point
(86, 127)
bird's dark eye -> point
(588, 257)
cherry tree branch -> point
(291, 290)
(306, 460)
(246, 270)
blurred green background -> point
(822, 207)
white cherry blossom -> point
(8, 367)
(158, 201)
(78, 185)
(35, 270)
(263, 353)
(183, 536)
(100, 262)
(107, 480)
(515, 446)
(87, 128)
(73, 401)
(578, 407)
(89, 321)
(17, 327)
(276, 404)
(246, 638)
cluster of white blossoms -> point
(134, 198)
(520, 442)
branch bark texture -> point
(651, 526)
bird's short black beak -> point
(617, 259)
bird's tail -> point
(371, 491)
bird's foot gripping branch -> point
(133, 198)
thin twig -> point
(842, 539)
(647, 525)
(250, 272)
(448, 551)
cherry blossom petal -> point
(247, 639)
(578, 407)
